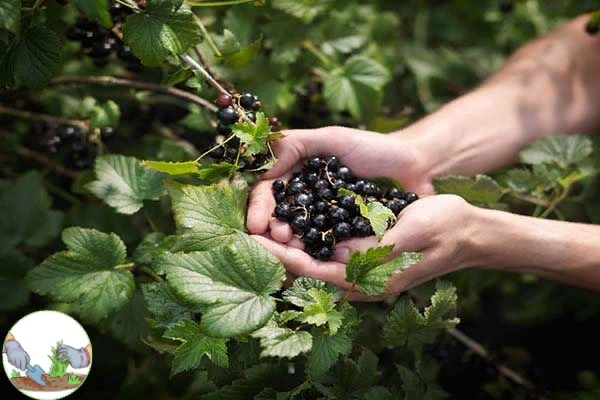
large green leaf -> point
(160, 31)
(213, 214)
(96, 10)
(282, 342)
(481, 190)
(25, 215)
(306, 10)
(36, 56)
(89, 273)
(326, 350)
(236, 281)
(13, 292)
(124, 184)
(356, 86)
(10, 15)
(560, 149)
(162, 302)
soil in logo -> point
(53, 383)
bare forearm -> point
(550, 86)
(562, 251)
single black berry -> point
(321, 206)
(283, 212)
(124, 54)
(311, 178)
(333, 164)
(75, 33)
(223, 129)
(344, 173)
(304, 199)
(347, 202)
(256, 105)
(247, 100)
(321, 184)
(314, 164)
(397, 205)
(394, 192)
(312, 235)
(411, 197)
(506, 6)
(228, 115)
(299, 224)
(101, 50)
(278, 186)
(273, 121)
(107, 133)
(359, 187)
(342, 230)
(325, 194)
(339, 215)
(371, 189)
(337, 184)
(350, 186)
(224, 100)
(218, 153)
(68, 133)
(279, 197)
(328, 239)
(324, 253)
(361, 227)
(52, 143)
(295, 188)
(319, 221)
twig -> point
(208, 37)
(482, 352)
(48, 118)
(153, 274)
(195, 65)
(42, 159)
(555, 202)
(529, 199)
(208, 68)
(114, 81)
(38, 4)
(190, 148)
(214, 148)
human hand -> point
(442, 227)
(78, 358)
(367, 154)
(16, 355)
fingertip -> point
(280, 231)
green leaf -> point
(13, 292)
(326, 350)
(89, 273)
(159, 32)
(521, 180)
(96, 10)
(299, 294)
(149, 248)
(255, 135)
(106, 114)
(367, 271)
(235, 281)
(164, 304)
(321, 311)
(378, 215)
(124, 184)
(356, 86)
(10, 15)
(213, 214)
(305, 10)
(195, 346)
(172, 168)
(412, 386)
(481, 190)
(443, 304)
(378, 393)
(242, 57)
(560, 149)
(129, 324)
(37, 56)
(215, 172)
(282, 342)
(25, 215)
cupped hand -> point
(76, 357)
(367, 154)
(442, 227)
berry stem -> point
(195, 65)
(237, 157)
(35, 116)
(208, 37)
(310, 46)
(114, 81)
(151, 273)
(214, 147)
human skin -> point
(551, 85)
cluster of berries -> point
(79, 151)
(99, 43)
(238, 108)
(311, 205)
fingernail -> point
(342, 254)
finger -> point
(405, 238)
(301, 264)
(280, 231)
(260, 207)
(62, 353)
(296, 243)
(344, 249)
(303, 143)
(357, 296)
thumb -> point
(403, 238)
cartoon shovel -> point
(35, 373)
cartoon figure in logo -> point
(57, 379)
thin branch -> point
(478, 349)
(194, 64)
(43, 117)
(38, 4)
(208, 36)
(556, 202)
(190, 148)
(208, 68)
(42, 159)
(529, 199)
(114, 81)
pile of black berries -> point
(99, 43)
(311, 205)
(238, 108)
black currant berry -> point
(224, 100)
(359, 187)
(347, 202)
(223, 129)
(328, 239)
(339, 215)
(280, 197)
(278, 186)
(319, 221)
(369, 189)
(410, 197)
(321, 206)
(75, 33)
(107, 133)
(311, 236)
(101, 50)
(342, 230)
(314, 164)
(321, 184)
(344, 173)
(395, 193)
(397, 205)
(218, 153)
(337, 184)
(304, 199)
(247, 100)
(325, 194)
(295, 188)
(506, 6)
(333, 164)
(124, 54)
(52, 143)
(324, 253)
(361, 227)
(273, 121)
(232, 152)
(350, 186)
(228, 115)
(299, 224)
(68, 133)
(256, 105)
(311, 178)
(38, 127)
(283, 212)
